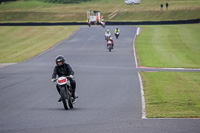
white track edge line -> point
(142, 98)
(136, 63)
(140, 80)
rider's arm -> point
(54, 73)
(71, 72)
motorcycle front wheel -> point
(116, 36)
(70, 101)
(64, 96)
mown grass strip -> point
(172, 94)
(20, 43)
(149, 10)
(174, 46)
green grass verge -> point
(174, 46)
(23, 42)
(148, 10)
(172, 94)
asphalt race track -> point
(107, 84)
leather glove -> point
(53, 80)
(71, 76)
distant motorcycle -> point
(117, 35)
(109, 45)
(65, 91)
(103, 24)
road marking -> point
(136, 64)
(140, 80)
(6, 64)
(142, 98)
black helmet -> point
(60, 60)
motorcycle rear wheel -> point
(110, 49)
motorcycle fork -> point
(66, 91)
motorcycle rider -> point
(64, 69)
(107, 33)
(88, 22)
(111, 41)
(102, 22)
(117, 30)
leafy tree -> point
(6, 1)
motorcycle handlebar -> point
(64, 76)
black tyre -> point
(70, 102)
(116, 36)
(63, 96)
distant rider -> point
(117, 30)
(107, 34)
(64, 69)
(88, 22)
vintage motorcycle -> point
(65, 91)
(109, 45)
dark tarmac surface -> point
(107, 84)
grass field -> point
(174, 46)
(172, 94)
(148, 10)
(21, 43)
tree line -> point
(52, 1)
(6, 1)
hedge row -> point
(53, 1)
(66, 1)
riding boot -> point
(60, 99)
